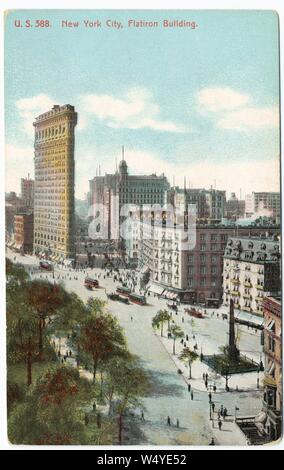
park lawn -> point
(17, 373)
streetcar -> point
(46, 265)
(137, 299)
(123, 291)
(90, 282)
(118, 297)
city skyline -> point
(205, 116)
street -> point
(169, 396)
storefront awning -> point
(271, 368)
(261, 417)
(270, 325)
(249, 318)
(156, 289)
(270, 381)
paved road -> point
(169, 395)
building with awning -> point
(249, 319)
(155, 289)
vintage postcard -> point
(143, 286)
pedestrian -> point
(210, 397)
(70, 353)
(186, 337)
(214, 388)
(177, 423)
(58, 353)
(142, 416)
(168, 421)
(225, 413)
(221, 410)
(94, 406)
(206, 376)
(191, 394)
(206, 383)
(213, 406)
(66, 354)
(220, 424)
(188, 387)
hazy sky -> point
(201, 103)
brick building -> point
(23, 232)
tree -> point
(113, 366)
(100, 337)
(21, 330)
(176, 332)
(131, 383)
(188, 356)
(16, 275)
(160, 318)
(53, 410)
(45, 300)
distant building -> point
(114, 197)
(263, 204)
(210, 204)
(251, 270)
(27, 192)
(194, 275)
(54, 211)
(272, 399)
(235, 208)
(23, 232)
(13, 204)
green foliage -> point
(100, 338)
(160, 318)
(53, 410)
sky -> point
(197, 102)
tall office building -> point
(27, 192)
(54, 183)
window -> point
(214, 237)
(271, 344)
(203, 237)
(203, 247)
